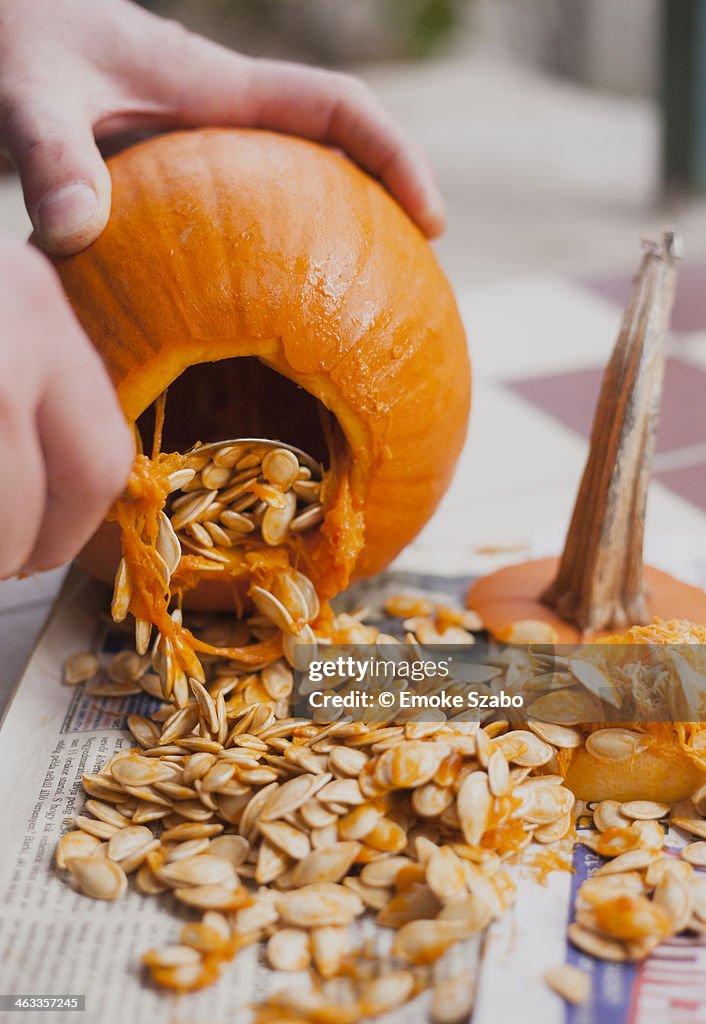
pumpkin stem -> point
(599, 584)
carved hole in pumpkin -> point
(237, 398)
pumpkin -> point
(672, 765)
(513, 595)
(272, 286)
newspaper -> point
(54, 941)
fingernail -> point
(436, 205)
(437, 219)
(67, 211)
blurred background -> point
(561, 130)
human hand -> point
(66, 449)
(76, 71)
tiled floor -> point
(527, 447)
(570, 397)
(690, 304)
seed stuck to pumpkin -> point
(271, 475)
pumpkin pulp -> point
(326, 556)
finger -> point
(201, 83)
(65, 182)
(88, 453)
(23, 489)
(341, 110)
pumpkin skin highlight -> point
(227, 243)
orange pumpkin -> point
(672, 764)
(664, 772)
(265, 279)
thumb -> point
(65, 182)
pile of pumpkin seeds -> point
(285, 830)
(240, 491)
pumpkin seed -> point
(189, 848)
(307, 490)
(212, 897)
(329, 948)
(386, 992)
(596, 945)
(529, 631)
(384, 872)
(106, 812)
(695, 853)
(470, 913)
(262, 914)
(171, 956)
(560, 736)
(306, 520)
(423, 942)
(290, 840)
(180, 478)
(452, 1000)
(135, 770)
(122, 593)
(608, 814)
(328, 864)
(186, 830)
(79, 668)
(276, 522)
(474, 804)
(631, 860)
(201, 869)
(234, 849)
(289, 950)
(570, 982)
(674, 896)
(644, 810)
(98, 829)
(616, 744)
(168, 546)
(128, 841)
(319, 904)
(498, 773)
(214, 477)
(75, 844)
(192, 509)
(291, 795)
(445, 875)
(280, 467)
(595, 681)
(553, 830)
(98, 877)
(695, 826)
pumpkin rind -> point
(227, 243)
(665, 774)
(513, 594)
